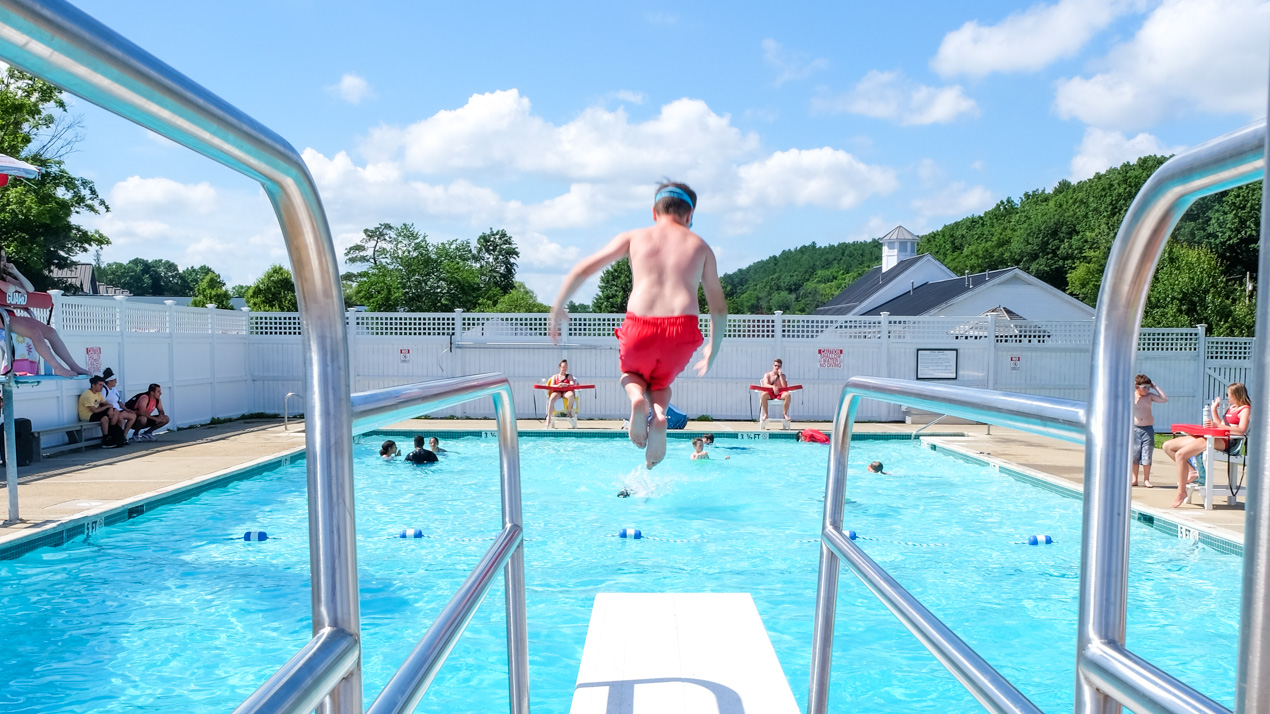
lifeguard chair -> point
(775, 395)
(572, 405)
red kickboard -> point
(775, 392)
(1200, 430)
(564, 387)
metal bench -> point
(78, 436)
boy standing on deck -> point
(1143, 446)
(660, 333)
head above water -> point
(697, 443)
(389, 447)
(420, 441)
(708, 438)
(675, 199)
(875, 467)
(434, 442)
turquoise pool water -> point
(174, 612)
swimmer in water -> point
(434, 445)
(876, 468)
(698, 449)
(624, 493)
(389, 450)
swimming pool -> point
(174, 612)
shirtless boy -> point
(777, 381)
(660, 334)
(1143, 445)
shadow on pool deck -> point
(65, 485)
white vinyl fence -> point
(217, 363)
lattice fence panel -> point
(192, 321)
(275, 324)
(403, 324)
(751, 327)
(138, 318)
(1229, 349)
(226, 322)
(594, 324)
(486, 326)
(929, 329)
(1168, 340)
(803, 327)
(87, 316)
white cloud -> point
(830, 178)
(1189, 56)
(1027, 40)
(232, 230)
(1101, 149)
(498, 132)
(954, 200)
(893, 96)
(791, 65)
(352, 88)
(626, 95)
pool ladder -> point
(57, 42)
(1109, 675)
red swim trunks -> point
(657, 348)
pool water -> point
(174, 612)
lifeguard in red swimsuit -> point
(660, 334)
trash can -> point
(25, 442)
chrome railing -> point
(286, 410)
(294, 687)
(1109, 676)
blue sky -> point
(795, 124)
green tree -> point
(519, 299)
(37, 228)
(798, 280)
(239, 291)
(579, 307)
(407, 272)
(615, 288)
(145, 277)
(497, 253)
(211, 291)
(274, 291)
(192, 277)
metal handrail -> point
(1108, 675)
(54, 40)
(285, 413)
(1231, 160)
(927, 425)
(379, 408)
(1047, 416)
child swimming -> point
(389, 450)
(698, 449)
(660, 333)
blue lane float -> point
(629, 532)
(410, 533)
(255, 536)
(1039, 540)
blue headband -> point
(672, 192)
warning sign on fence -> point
(94, 359)
(830, 358)
(405, 354)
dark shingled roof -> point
(864, 287)
(927, 297)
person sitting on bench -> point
(148, 406)
(111, 394)
(93, 408)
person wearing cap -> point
(111, 394)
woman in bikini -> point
(560, 379)
(46, 340)
(1182, 448)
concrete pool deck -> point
(66, 487)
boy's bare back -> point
(668, 262)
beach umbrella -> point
(10, 166)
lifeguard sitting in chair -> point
(564, 387)
(774, 385)
(18, 298)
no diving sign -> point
(405, 354)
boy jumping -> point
(660, 333)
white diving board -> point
(679, 653)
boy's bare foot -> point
(656, 442)
(638, 430)
(1146, 484)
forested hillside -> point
(799, 280)
(1062, 236)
